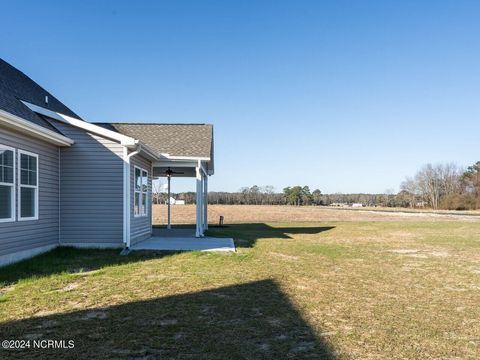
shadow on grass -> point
(245, 235)
(70, 260)
(252, 320)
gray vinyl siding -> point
(91, 186)
(141, 227)
(31, 234)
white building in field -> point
(174, 201)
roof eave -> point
(109, 134)
(147, 151)
(27, 127)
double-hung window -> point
(7, 184)
(141, 192)
(28, 186)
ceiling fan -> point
(170, 172)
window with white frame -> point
(28, 186)
(7, 183)
(140, 204)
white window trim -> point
(13, 186)
(20, 218)
(135, 191)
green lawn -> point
(313, 290)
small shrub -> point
(459, 202)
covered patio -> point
(171, 238)
(182, 151)
(193, 168)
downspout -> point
(59, 198)
(126, 194)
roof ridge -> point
(145, 123)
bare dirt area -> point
(235, 214)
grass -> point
(339, 289)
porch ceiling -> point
(160, 171)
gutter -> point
(126, 195)
(174, 157)
(147, 151)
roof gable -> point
(16, 86)
(185, 140)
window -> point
(140, 204)
(28, 187)
(7, 183)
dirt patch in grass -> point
(284, 256)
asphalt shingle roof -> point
(194, 140)
(16, 86)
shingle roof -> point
(16, 86)
(194, 140)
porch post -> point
(199, 231)
(169, 226)
(205, 202)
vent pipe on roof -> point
(46, 99)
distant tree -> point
(434, 182)
(158, 195)
(317, 197)
(471, 179)
(410, 189)
(254, 194)
(244, 191)
(294, 195)
(268, 194)
(306, 196)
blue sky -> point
(345, 96)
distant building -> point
(339, 204)
(357, 205)
(174, 201)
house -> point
(66, 181)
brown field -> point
(236, 214)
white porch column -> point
(199, 230)
(205, 202)
(169, 225)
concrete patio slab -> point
(183, 240)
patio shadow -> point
(245, 235)
(247, 321)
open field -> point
(234, 214)
(349, 286)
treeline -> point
(441, 186)
(294, 195)
(299, 195)
(444, 186)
